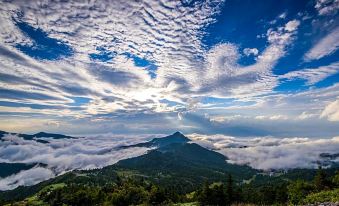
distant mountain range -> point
(37, 136)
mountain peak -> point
(175, 138)
(177, 133)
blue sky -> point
(240, 68)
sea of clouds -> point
(269, 153)
(62, 155)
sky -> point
(239, 68)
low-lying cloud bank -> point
(26, 177)
(62, 155)
(269, 153)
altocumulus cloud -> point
(270, 153)
(62, 155)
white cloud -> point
(331, 111)
(251, 51)
(326, 46)
(270, 153)
(273, 117)
(292, 25)
(313, 75)
(282, 15)
(327, 7)
(306, 115)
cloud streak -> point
(326, 46)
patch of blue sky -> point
(233, 26)
(214, 100)
(295, 85)
(33, 106)
(78, 101)
(103, 55)
(225, 102)
(169, 103)
(144, 63)
(329, 81)
(44, 47)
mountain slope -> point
(184, 165)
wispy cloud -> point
(326, 46)
(313, 75)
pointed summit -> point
(175, 138)
(178, 134)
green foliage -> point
(229, 189)
(214, 194)
(319, 190)
(157, 196)
(324, 196)
(267, 194)
(129, 189)
(298, 190)
(126, 192)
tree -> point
(157, 196)
(297, 190)
(204, 195)
(335, 179)
(320, 181)
(212, 194)
(229, 189)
